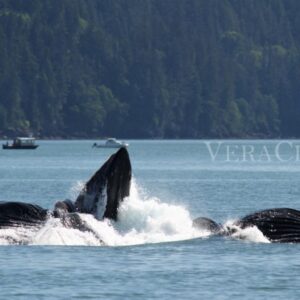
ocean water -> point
(153, 252)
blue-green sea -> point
(153, 252)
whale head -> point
(207, 224)
(106, 189)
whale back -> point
(106, 189)
(15, 214)
(278, 224)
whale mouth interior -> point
(101, 203)
(106, 189)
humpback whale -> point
(106, 189)
(100, 197)
(278, 225)
(281, 225)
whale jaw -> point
(106, 189)
(279, 225)
(16, 214)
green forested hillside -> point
(150, 68)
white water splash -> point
(75, 190)
(18, 235)
(141, 220)
(148, 220)
(54, 233)
(251, 233)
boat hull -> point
(115, 146)
(11, 147)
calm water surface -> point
(218, 179)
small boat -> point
(111, 143)
(21, 143)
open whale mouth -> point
(101, 196)
(142, 219)
(103, 193)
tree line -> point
(150, 68)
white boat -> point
(111, 143)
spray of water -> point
(142, 219)
(251, 233)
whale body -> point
(278, 225)
(21, 214)
(281, 225)
(103, 193)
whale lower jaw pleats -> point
(281, 225)
(13, 214)
(278, 225)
